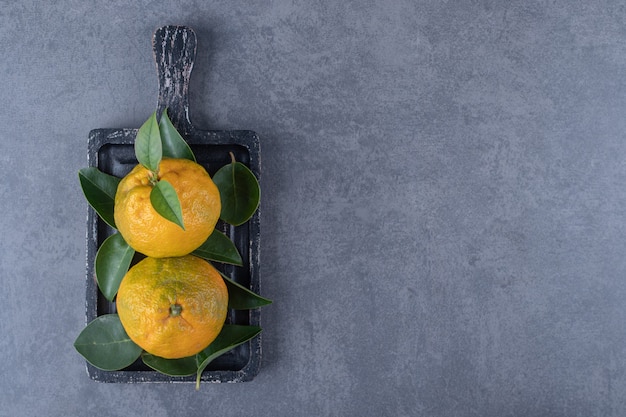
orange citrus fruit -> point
(147, 231)
(172, 307)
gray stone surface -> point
(444, 202)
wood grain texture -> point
(174, 54)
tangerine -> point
(172, 307)
(147, 231)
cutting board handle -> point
(174, 52)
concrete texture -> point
(444, 202)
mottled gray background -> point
(444, 202)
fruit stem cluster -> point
(153, 177)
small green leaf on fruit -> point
(165, 201)
(239, 192)
(241, 298)
(105, 344)
(148, 147)
(99, 189)
(218, 247)
(174, 146)
(112, 262)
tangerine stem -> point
(153, 177)
(175, 310)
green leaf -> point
(165, 201)
(172, 367)
(174, 146)
(219, 248)
(239, 192)
(241, 298)
(112, 261)
(105, 344)
(148, 147)
(99, 189)
(231, 336)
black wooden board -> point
(112, 151)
